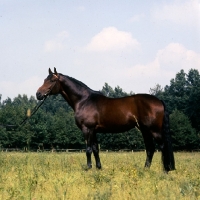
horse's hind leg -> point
(150, 148)
(95, 149)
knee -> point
(89, 151)
(95, 149)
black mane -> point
(80, 84)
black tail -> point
(167, 150)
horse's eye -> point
(51, 81)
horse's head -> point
(50, 86)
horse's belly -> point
(114, 128)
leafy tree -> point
(193, 78)
(183, 94)
(193, 106)
(110, 92)
(119, 92)
(157, 91)
(135, 139)
(184, 136)
(176, 95)
(3, 137)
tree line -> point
(53, 125)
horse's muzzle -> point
(39, 96)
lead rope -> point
(15, 127)
(32, 113)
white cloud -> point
(171, 59)
(111, 39)
(176, 56)
(180, 12)
(57, 43)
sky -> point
(131, 44)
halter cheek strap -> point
(52, 86)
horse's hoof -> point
(98, 166)
(89, 166)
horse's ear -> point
(50, 72)
(55, 72)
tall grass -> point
(64, 176)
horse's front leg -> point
(95, 149)
(88, 140)
(88, 155)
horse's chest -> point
(86, 117)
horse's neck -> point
(71, 92)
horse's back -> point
(135, 103)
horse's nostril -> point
(39, 95)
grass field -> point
(63, 176)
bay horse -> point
(95, 113)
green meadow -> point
(64, 176)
